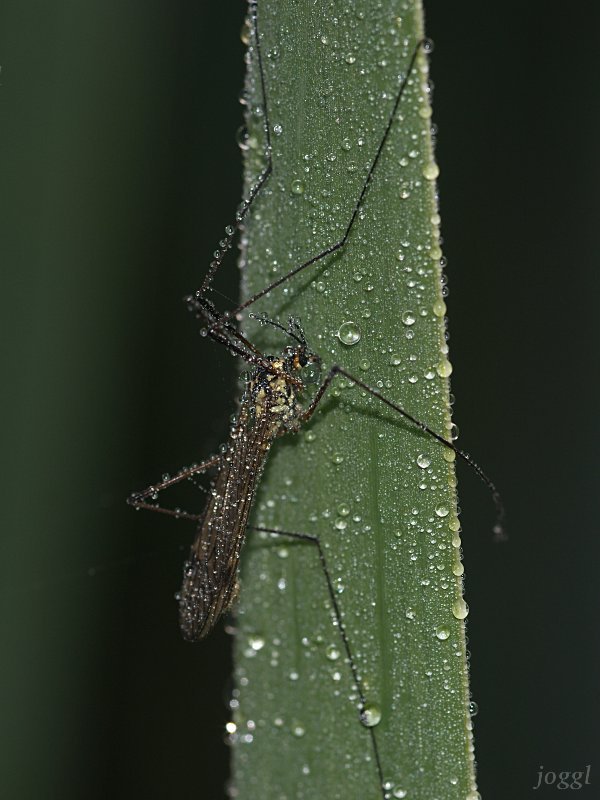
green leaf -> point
(378, 492)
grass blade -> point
(379, 494)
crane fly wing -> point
(211, 572)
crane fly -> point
(269, 408)
(276, 401)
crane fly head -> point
(300, 357)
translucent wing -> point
(210, 573)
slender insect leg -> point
(140, 499)
(230, 231)
(314, 540)
(342, 241)
(337, 370)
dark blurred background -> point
(119, 170)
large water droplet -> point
(460, 609)
(370, 715)
(349, 333)
(444, 368)
(431, 171)
(439, 308)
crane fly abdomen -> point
(210, 575)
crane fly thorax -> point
(274, 396)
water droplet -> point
(256, 642)
(242, 137)
(444, 368)
(431, 171)
(246, 31)
(340, 524)
(442, 511)
(297, 187)
(408, 317)
(337, 458)
(458, 569)
(423, 461)
(410, 613)
(332, 653)
(442, 633)
(439, 308)
(349, 333)
(460, 609)
(343, 510)
(298, 730)
(398, 792)
(277, 129)
(370, 715)
(473, 708)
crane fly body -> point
(269, 408)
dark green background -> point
(119, 169)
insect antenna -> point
(293, 330)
